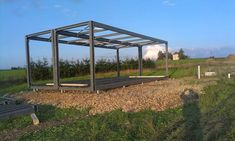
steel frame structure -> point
(116, 39)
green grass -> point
(190, 61)
(45, 113)
(12, 81)
(173, 72)
(180, 62)
(210, 118)
(13, 88)
(115, 125)
(21, 74)
(12, 74)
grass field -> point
(210, 118)
(12, 74)
(15, 80)
(17, 86)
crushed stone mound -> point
(156, 96)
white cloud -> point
(151, 52)
(168, 3)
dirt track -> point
(154, 95)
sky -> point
(202, 28)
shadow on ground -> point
(187, 127)
(191, 115)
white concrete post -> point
(229, 75)
(198, 72)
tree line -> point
(41, 69)
(181, 54)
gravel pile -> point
(154, 95)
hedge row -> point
(41, 69)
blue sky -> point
(202, 27)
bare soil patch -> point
(157, 96)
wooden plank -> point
(147, 76)
(69, 84)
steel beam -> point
(118, 64)
(81, 32)
(140, 61)
(95, 31)
(125, 47)
(39, 39)
(77, 40)
(144, 42)
(134, 40)
(29, 77)
(101, 36)
(55, 50)
(166, 45)
(62, 37)
(71, 34)
(92, 57)
(122, 38)
(39, 33)
(154, 43)
(127, 32)
(68, 42)
(108, 35)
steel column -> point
(140, 60)
(28, 62)
(166, 45)
(55, 52)
(92, 56)
(118, 64)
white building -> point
(175, 56)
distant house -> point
(175, 56)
